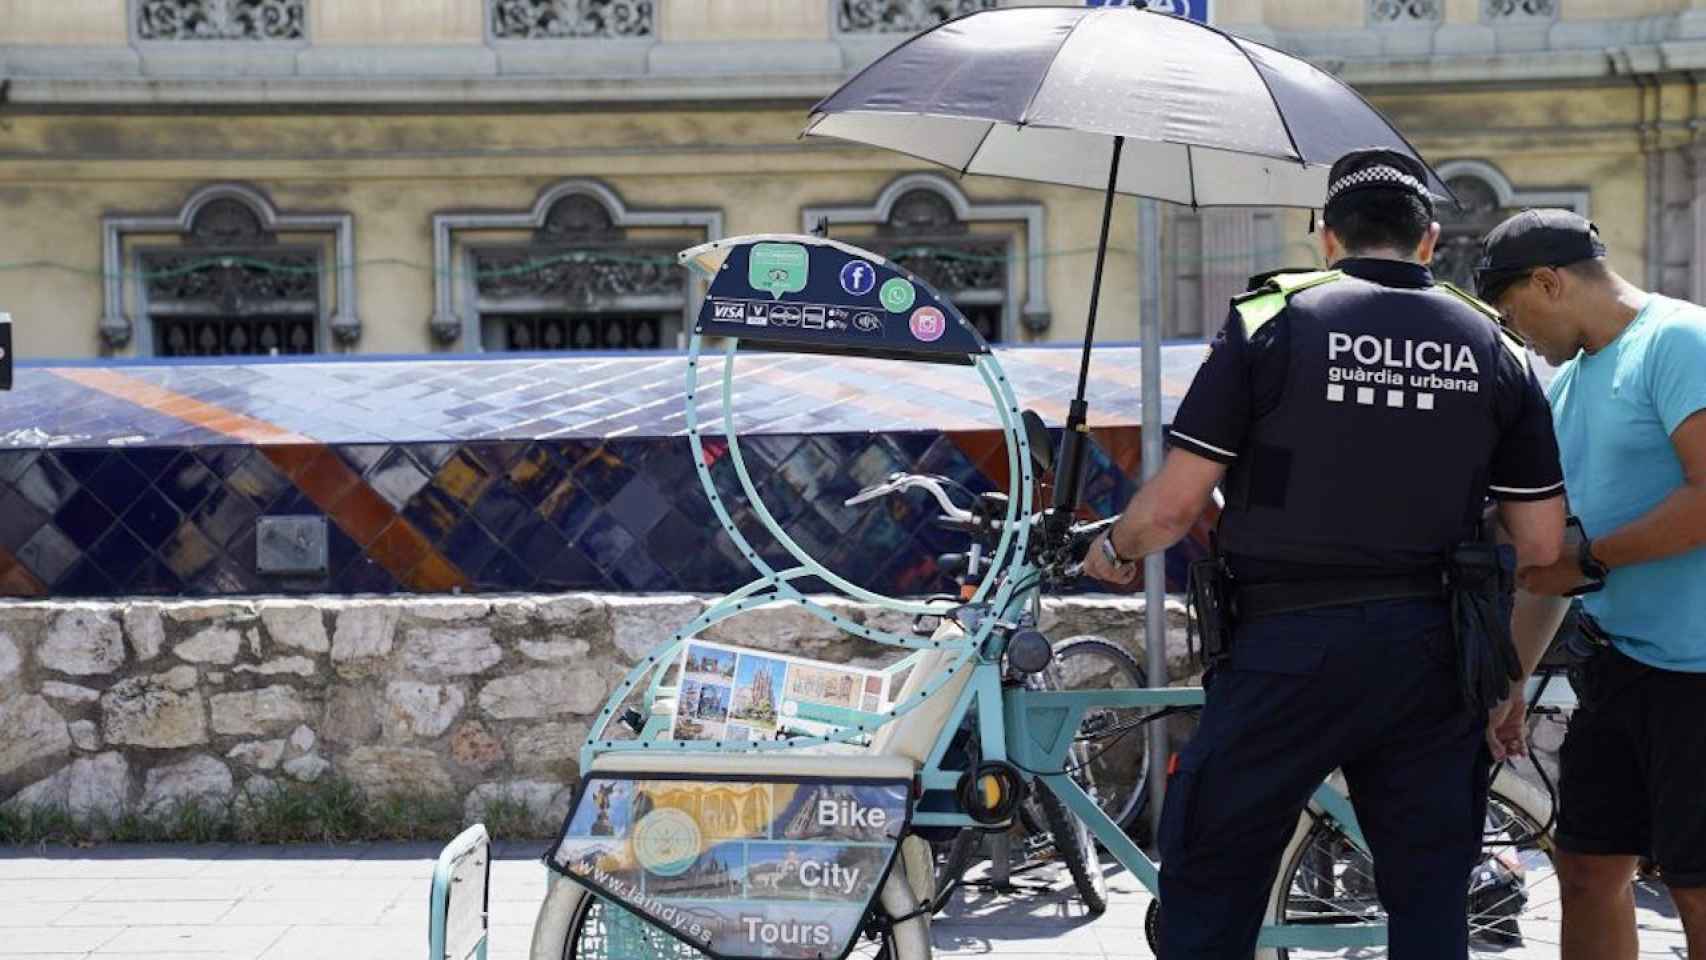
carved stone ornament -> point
(902, 16)
(221, 19)
(1520, 9)
(1401, 12)
(572, 19)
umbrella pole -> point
(1072, 446)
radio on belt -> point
(5, 351)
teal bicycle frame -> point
(1032, 729)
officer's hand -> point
(1507, 726)
(1096, 564)
(1556, 580)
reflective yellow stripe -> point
(1511, 341)
(1260, 307)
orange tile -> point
(463, 479)
(435, 574)
(289, 458)
(362, 514)
(20, 582)
(325, 478)
(399, 548)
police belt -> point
(1250, 601)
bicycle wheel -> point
(602, 931)
(953, 859)
(1076, 846)
(1513, 890)
(1111, 754)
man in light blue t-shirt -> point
(1629, 408)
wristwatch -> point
(1591, 568)
(1111, 554)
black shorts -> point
(1634, 766)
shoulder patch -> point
(1257, 308)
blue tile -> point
(572, 570)
(153, 518)
(504, 572)
(48, 554)
(433, 513)
(639, 506)
(536, 473)
(224, 515)
(150, 462)
(603, 477)
(536, 545)
(154, 579)
(15, 462)
(501, 510)
(636, 572)
(82, 464)
(84, 580)
(46, 484)
(116, 483)
(469, 546)
(362, 457)
(365, 576)
(397, 477)
(604, 541)
(341, 550)
(187, 482)
(676, 542)
(293, 503)
(119, 554)
(83, 519)
(431, 455)
(223, 459)
(19, 519)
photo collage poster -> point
(739, 868)
(733, 693)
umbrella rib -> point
(1191, 174)
(1279, 111)
(1025, 114)
(977, 149)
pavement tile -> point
(65, 890)
(381, 889)
(367, 943)
(227, 942)
(61, 940)
(33, 914)
(186, 888)
(299, 913)
(145, 913)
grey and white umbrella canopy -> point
(1039, 93)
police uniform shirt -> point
(1364, 419)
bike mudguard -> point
(738, 867)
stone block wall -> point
(108, 708)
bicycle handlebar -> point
(901, 482)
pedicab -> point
(802, 834)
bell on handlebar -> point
(1029, 652)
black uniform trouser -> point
(1368, 689)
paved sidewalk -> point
(369, 902)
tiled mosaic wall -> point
(475, 516)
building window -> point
(1485, 197)
(220, 19)
(580, 271)
(1404, 12)
(1495, 11)
(228, 275)
(571, 19)
(902, 16)
(974, 254)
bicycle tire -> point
(1513, 890)
(953, 859)
(1076, 847)
(596, 927)
(1122, 793)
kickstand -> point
(999, 846)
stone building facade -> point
(214, 177)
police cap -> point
(1376, 168)
(1530, 240)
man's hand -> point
(1097, 565)
(1507, 726)
(1554, 580)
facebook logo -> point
(1189, 9)
(858, 278)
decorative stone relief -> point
(902, 16)
(1402, 12)
(221, 20)
(572, 19)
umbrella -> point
(1060, 94)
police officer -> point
(1360, 418)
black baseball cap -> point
(1378, 168)
(1530, 240)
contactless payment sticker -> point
(778, 268)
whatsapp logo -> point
(897, 295)
(777, 268)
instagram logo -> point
(928, 324)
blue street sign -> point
(1197, 10)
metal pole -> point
(1154, 565)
